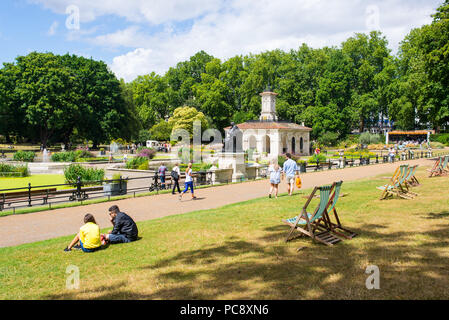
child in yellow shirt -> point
(88, 237)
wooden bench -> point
(321, 165)
(22, 196)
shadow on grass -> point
(438, 215)
(267, 268)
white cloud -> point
(53, 28)
(152, 11)
(225, 28)
(134, 63)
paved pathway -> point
(45, 225)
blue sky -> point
(136, 37)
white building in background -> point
(272, 138)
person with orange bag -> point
(290, 169)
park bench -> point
(321, 165)
(25, 196)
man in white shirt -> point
(290, 168)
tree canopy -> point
(334, 90)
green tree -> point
(104, 113)
(184, 117)
(161, 131)
(48, 94)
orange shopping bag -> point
(298, 182)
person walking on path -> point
(290, 168)
(88, 237)
(175, 175)
(162, 170)
(188, 182)
(125, 229)
(275, 178)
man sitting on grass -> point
(125, 229)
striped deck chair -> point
(435, 171)
(396, 185)
(444, 167)
(390, 185)
(410, 180)
(336, 228)
(407, 184)
(313, 225)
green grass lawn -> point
(238, 252)
(35, 180)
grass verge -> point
(238, 252)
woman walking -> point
(275, 179)
(188, 182)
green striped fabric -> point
(324, 199)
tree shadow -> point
(440, 215)
(265, 268)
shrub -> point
(7, 170)
(25, 156)
(87, 175)
(318, 157)
(441, 138)
(368, 138)
(144, 166)
(136, 162)
(83, 154)
(72, 156)
(116, 176)
(328, 139)
(282, 159)
(437, 145)
(185, 159)
(66, 156)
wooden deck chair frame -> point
(444, 166)
(402, 190)
(336, 227)
(396, 185)
(315, 225)
(408, 180)
(393, 180)
(413, 180)
(435, 171)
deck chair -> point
(407, 183)
(435, 171)
(410, 180)
(396, 185)
(336, 227)
(313, 225)
(444, 167)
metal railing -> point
(345, 162)
(48, 195)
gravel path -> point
(32, 227)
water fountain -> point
(45, 157)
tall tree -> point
(48, 94)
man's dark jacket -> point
(123, 224)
